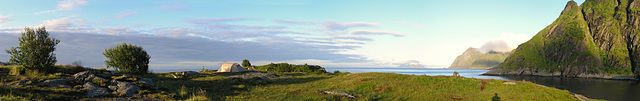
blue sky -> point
(332, 33)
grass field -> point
(298, 86)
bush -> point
(35, 51)
(17, 70)
(246, 63)
(127, 58)
(285, 67)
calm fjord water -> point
(614, 90)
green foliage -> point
(574, 31)
(246, 63)
(285, 67)
(35, 51)
(127, 58)
(17, 70)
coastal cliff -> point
(596, 39)
(472, 58)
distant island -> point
(598, 39)
(473, 58)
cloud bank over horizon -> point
(211, 41)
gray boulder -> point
(20, 83)
(339, 93)
(147, 82)
(55, 82)
(94, 90)
(82, 75)
(126, 88)
(93, 77)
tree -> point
(245, 63)
(127, 58)
(35, 51)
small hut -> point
(231, 67)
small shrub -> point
(201, 95)
(17, 70)
(183, 91)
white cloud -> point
(127, 13)
(409, 64)
(335, 26)
(495, 45)
(71, 4)
(375, 32)
(66, 5)
(514, 39)
(505, 42)
(5, 19)
(207, 41)
(218, 20)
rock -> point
(21, 83)
(251, 69)
(509, 83)
(339, 93)
(55, 82)
(81, 75)
(126, 88)
(94, 77)
(186, 73)
(93, 89)
(110, 72)
(147, 82)
(174, 76)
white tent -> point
(231, 67)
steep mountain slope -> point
(598, 38)
(472, 58)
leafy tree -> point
(245, 63)
(35, 51)
(127, 58)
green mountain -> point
(596, 39)
(472, 58)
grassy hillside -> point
(299, 86)
(389, 86)
(590, 39)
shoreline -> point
(558, 74)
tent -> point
(231, 67)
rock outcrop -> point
(126, 88)
(599, 37)
(472, 58)
(95, 85)
(94, 90)
(342, 93)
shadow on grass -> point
(218, 86)
(287, 81)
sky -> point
(194, 34)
